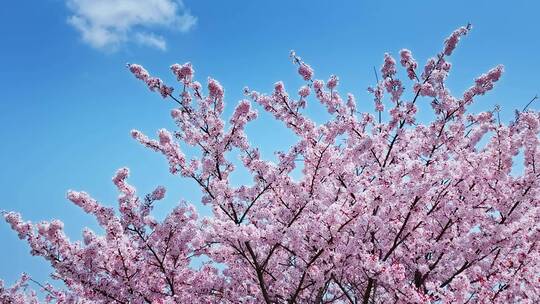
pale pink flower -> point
(305, 71)
(215, 89)
(408, 62)
(304, 91)
(388, 68)
(184, 72)
(451, 42)
(332, 82)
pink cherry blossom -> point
(408, 62)
(304, 91)
(153, 83)
(484, 83)
(389, 66)
(451, 42)
(357, 210)
(305, 71)
(215, 89)
(184, 72)
(332, 82)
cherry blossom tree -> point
(385, 211)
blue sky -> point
(67, 102)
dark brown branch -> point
(260, 274)
(299, 288)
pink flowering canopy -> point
(393, 211)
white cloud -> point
(107, 24)
(152, 40)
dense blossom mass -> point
(387, 209)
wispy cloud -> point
(152, 40)
(108, 24)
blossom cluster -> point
(153, 83)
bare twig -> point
(528, 104)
